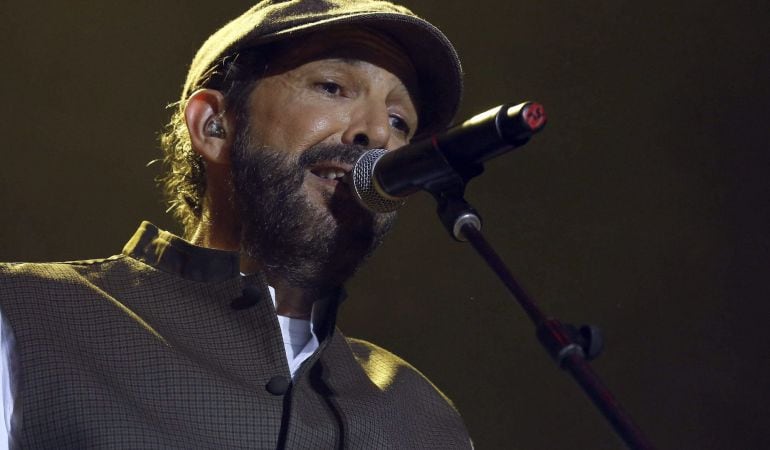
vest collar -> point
(172, 254)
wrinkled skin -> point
(320, 105)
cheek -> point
(314, 122)
(294, 128)
(303, 130)
(293, 120)
(319, 123)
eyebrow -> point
(346, 60)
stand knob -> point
(591, 339)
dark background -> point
(642, 208)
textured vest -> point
(167, 346)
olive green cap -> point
(433, 56)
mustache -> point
(341, 153)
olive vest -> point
(167, 346)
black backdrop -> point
(642, 208)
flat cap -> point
(433, 56)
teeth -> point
(330, 174)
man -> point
(229, 340)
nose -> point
(368, 127)
(361, 139)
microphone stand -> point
(570, 347)
(444, 173)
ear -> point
(203, 107)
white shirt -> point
(7, 377)
(299, 341)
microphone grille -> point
(364, 188)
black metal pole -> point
(558, 341)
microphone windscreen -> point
(364, 185)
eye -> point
(400, 124)
(330, 87)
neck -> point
(219, 229)
(209, 234)
(290, 301)
(218, 226)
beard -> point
(308, 245)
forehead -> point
(350, 44)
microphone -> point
(382, 179)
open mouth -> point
(331, 172)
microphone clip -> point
(455, 212)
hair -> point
(183, 178)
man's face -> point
(323, 101)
